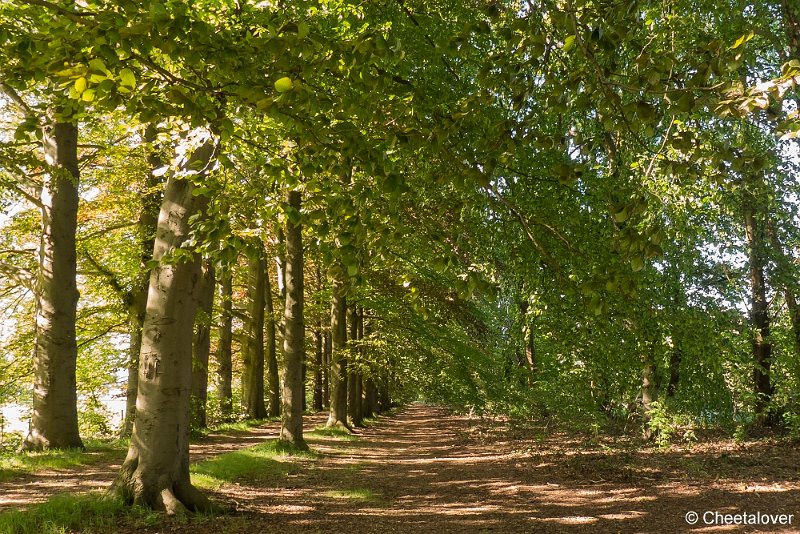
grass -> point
(88, 513)
(261, 462)
(231, 427)
(95, 513)
(332, 432)
(13, 464)
(355, 494)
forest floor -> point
(426, 470)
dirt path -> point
(425, 470)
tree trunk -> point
(370, 388)
(273, 378)
(649, 389)
(224, 349)
(759, 313)
(54, 423)
(201, 345)
(318, 363)
(137, 299)
(294, 334)
(384, 399)
(280, 268)
(156, 471)
(135, 323)
(338, 369)
(326, 370)
(353, 375)
(675, 358)
(253, 353)
(318, 347)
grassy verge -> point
(94, 513)
(332, 432)
(234, 427)
(87, 513)
(13, 464)
(273, 459)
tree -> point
(294, 334)
(354, 385)
(201, 344)
(253, 350)
(273, 380)
(54, 423)
(224, 345)
(338, 362)
(156, 470)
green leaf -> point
(569, 43)
(637, 264)
(80, 85)
(88, 95)
(302, 30)
(127, 78)
(742, 40)
(97, 65)
(686, 103)
(284, 84)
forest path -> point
(426, 470)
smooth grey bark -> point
(353, 374)
(294, 333)
(317, 403)
(54, 423)
(273, 378)
(280, 268)
(136, 299)
(326, 366)
(201, 345)
(253, 350)
(156, 470)
(338, 370)
(224, 348)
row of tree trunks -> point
(353, 375)
(201, 346)
(253, 350)
(273, 382)
(225, 345)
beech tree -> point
(156, 470)
(294, 335)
